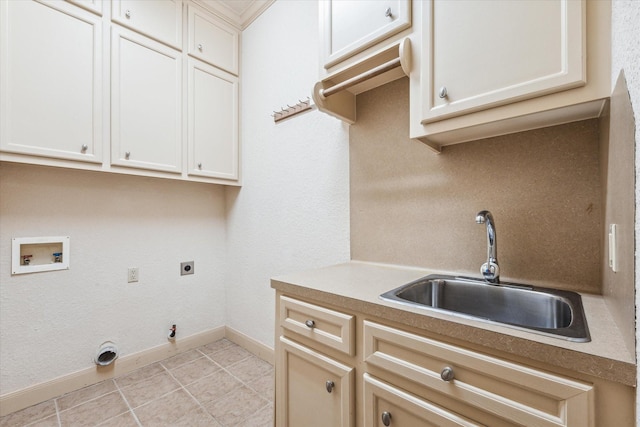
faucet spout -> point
(490, 269)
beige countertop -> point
(357, 285)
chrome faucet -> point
(490, 269)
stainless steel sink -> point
(542, 310)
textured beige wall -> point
(413, 207)
(619, 180)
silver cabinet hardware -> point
(329, 385)
(85, 147)
(386, 418)
(443, 92)
(200, 47)
(127, 13)
(127, 155)
(447, 374)
(310, 324)
(200, 165)
(388, 13)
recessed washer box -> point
(37, 254)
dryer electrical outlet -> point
(186, 268)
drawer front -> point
(158, 19)
(213, 41)
(510, 391)
(328, 327)
(387, 405)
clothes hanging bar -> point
(336, 93)
(324, 93)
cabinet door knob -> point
(127, 14)
(200, 47)
(386, 418)
(447, 374)
(443, 92)
(127, 155)
(310, 324)
(200, 165)
(329, 385)
(388, 13)
(85, 147)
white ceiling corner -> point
(241, 13)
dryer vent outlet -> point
(186, 268)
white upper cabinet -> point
(213, 41)
(213, 122)
(351, 26)
(488, 68)
(483, 54)
(158, 19)
(51, 81)
(146, 97)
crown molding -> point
(240, 18)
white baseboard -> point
(248, 343)
(20, 399)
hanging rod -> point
(336, 93)
(380, 69)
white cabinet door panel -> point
(158, 19)
(213, 122)
(51, 80)
(146, 96)
(489, 53)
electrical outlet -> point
(133, 274)
(186, 268)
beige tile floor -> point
(220, 384)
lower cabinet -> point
(387, 376)
(315, 390)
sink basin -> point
(542, 310)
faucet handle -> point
(490, 271)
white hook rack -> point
(292, 110)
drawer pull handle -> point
(85, 147)
(388, 13)
(443, 92)
(200, 47)
(329, 385)
(310, 324)
(386, 418)
(447, 374)
(127, 14)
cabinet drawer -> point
(213, 41)
(510, 391)
(158, 19)
(383, 402)
(328, 327)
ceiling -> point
(239, 12)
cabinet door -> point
(351, 26)
(146, 96)
(312, 389)
(158, 19)
(213, 122)
(213, 41)
(385, 405)
(480, 54)
(51, 80)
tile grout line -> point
(135, 417)
(55, 402)
(269, 402)
(189, 393)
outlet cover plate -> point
(186, 268)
